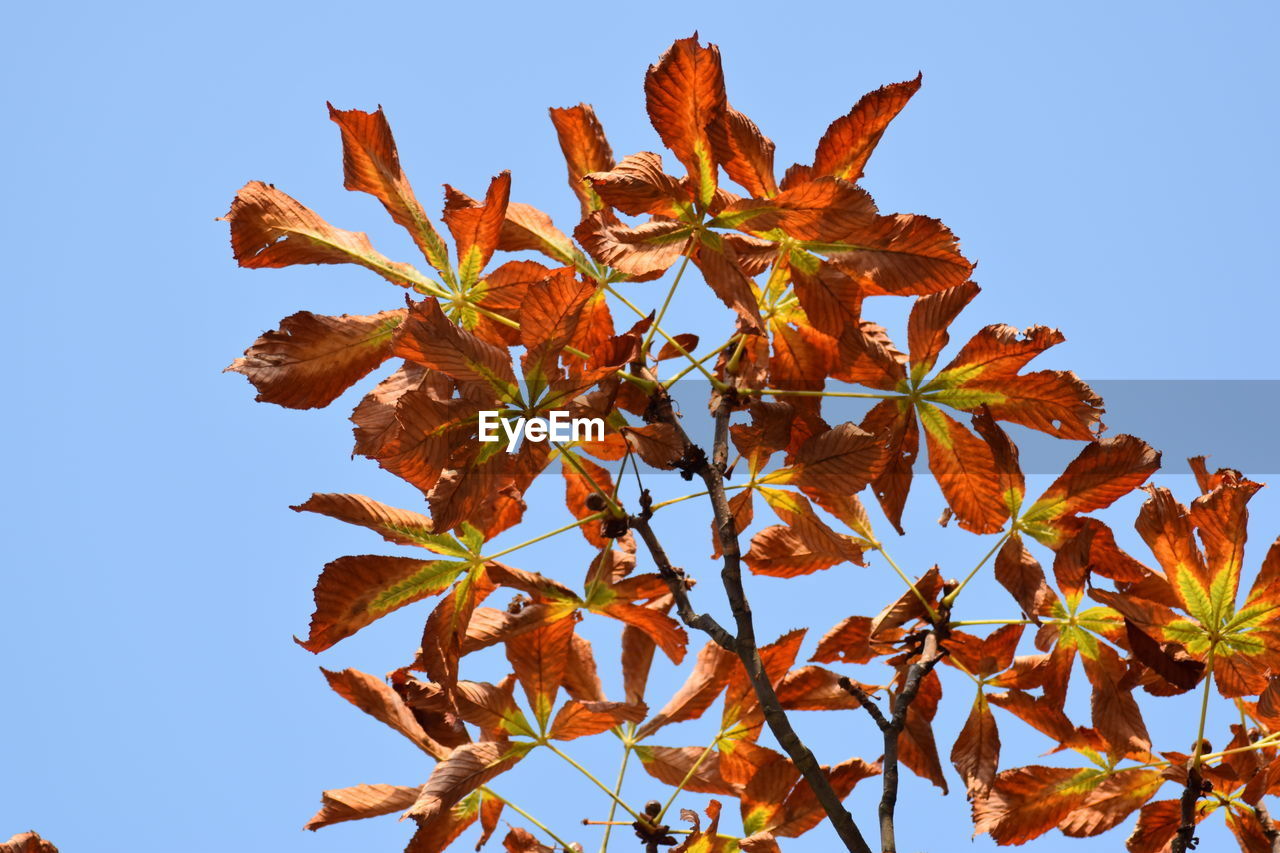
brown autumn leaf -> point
(917, 748)
(704, 684)
(373, 696)
(1115, 798)
(638, 185)
(27, 842)
(477, 226)
(436, 834)
(581, 677)
(643, 252)
(312, 358)
(430, 339)
(371, 164)
(848, 143)
(400, 526)
(361, 801)
(271, 229)
(520, 840)
(1021, 574)
(697, 768)
(539, 659)
(684, 94)
(812, 688)
(577, 718)
(353, 592)
(1026, 802)
(744, 152)
(657, 444)
(492, 708)
(976, 753)
(445, 632)
(465, 769)
(585, 149)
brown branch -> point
(744, 643)
(1269, 830)
(1260, 811)
(675, 579)
(1185, 839)
(893, 726)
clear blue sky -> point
(1111, 167)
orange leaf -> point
(976, 752)
(360, 801)
(966, 472)
(812, 688)
(897, 425)
(684, 94)
(1116, 714)
(917, 748)
(477, 227)
(538, 658)
(400, 526)
(526, 228)
(840, 461)
(705, 682)
(1117, 797)
(638, 185)
(585, 150)
(1104, 471)
(466, 768)
(520, 840)
(1158, 823)
(900, 255)
(491, 707)
(371, 164)
(1027, 802)
(657, 444)
(577, 719)
(375, 698)
(313, 358)
(432, 340)
(27, 842)
(673, 765)
(353, 592)
(745, 153)
(271, 229)
(927, 326)
(845, 148)
(801, 811)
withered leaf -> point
(312, 359)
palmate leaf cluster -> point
(793, 259)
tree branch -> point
(744, 643)
(893, 726)
(675, 579)
(1186, 837)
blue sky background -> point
(1110, 167)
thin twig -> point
(744, 644)
(1185, 839)
(675, 579)
(892, 727)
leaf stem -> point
(585, 772)
(671, 291)
(951, 596)
(627, 302)
(933, 614)
(685, 781)
(617, 787)
(777, 392)
(524, 814)
(595, 516)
